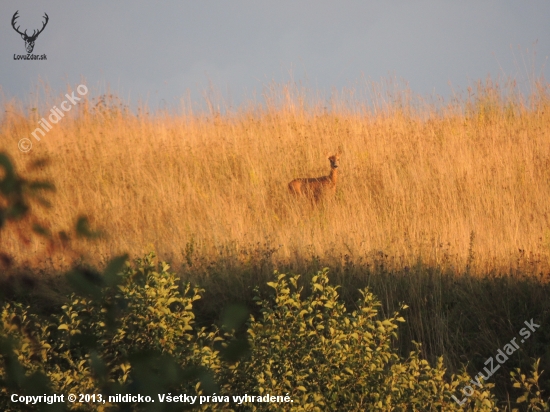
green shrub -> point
(132, 330)
(100, 344)
(328, 358)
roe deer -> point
(316, 188)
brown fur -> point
(317, 188)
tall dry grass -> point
(463, 184)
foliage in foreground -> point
(332, 359)
(132, 330)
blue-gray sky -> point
(160, 51)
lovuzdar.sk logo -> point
(29, 40)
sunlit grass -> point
(444, 181)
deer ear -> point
(23, 36)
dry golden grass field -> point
(459, 184)
(443, 205)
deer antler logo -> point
(29, 40)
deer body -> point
(317, 188)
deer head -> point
(334, 159)
(29, 40)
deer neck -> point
(333, 176)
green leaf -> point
(9, 178)
(235, 350)
(41, 230)
(114, 267)
(42, 185)
(234, 316)
(83, 229)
